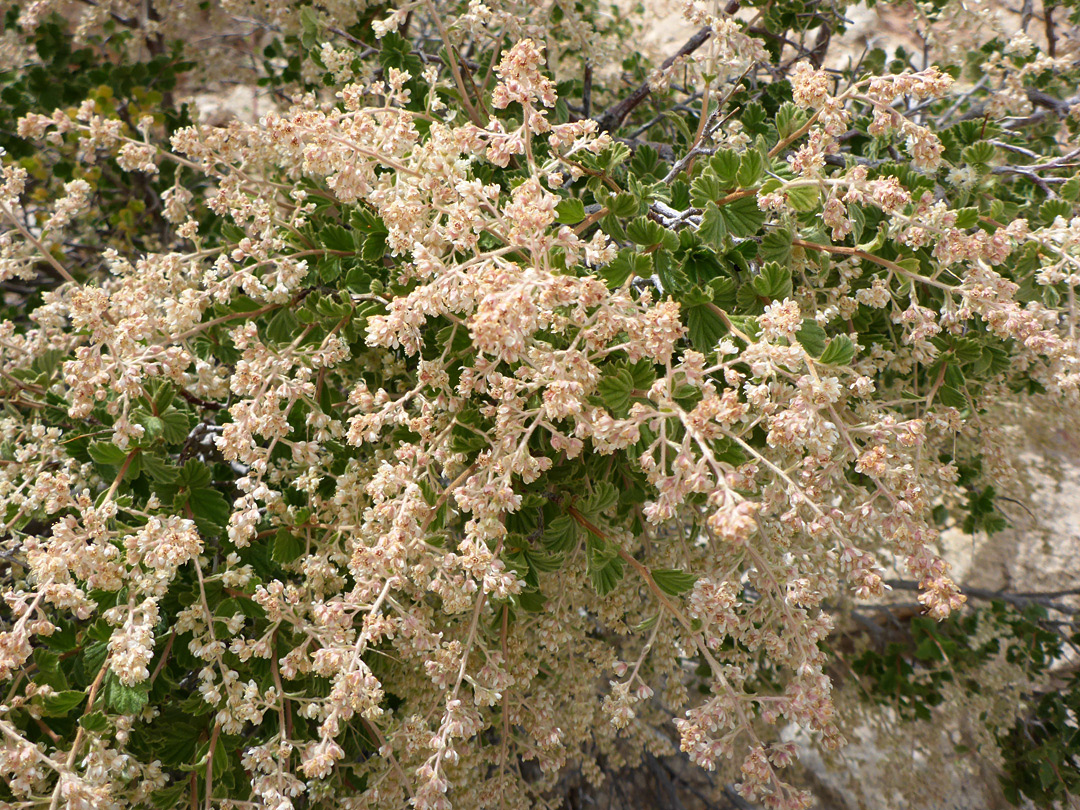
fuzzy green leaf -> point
(775, 246)
(615, 390)
(95, 722)
(789, 119)
(704, 327)
(561, 534)
(673, 581)
(978, 153)
(570, 212)
(603, 497)
(626, 264)
(287, 547)
(60, 704)
(605, 577)
(124, 699)
(725, 166)
(751, 167)
(107, 453)
(839, 352)
(774, 281)
(705, 189)
(210, 509)
(743, 217)
(176, 425)
(812, 337)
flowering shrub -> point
(487, 411)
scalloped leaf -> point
(673, 581)
(839, 352)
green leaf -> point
(605, 577)
(176, 426)
(803, 198)
(673, 581)
(928, 650)
(951, 396)
(748, 301)
(626, 264)
(622, 205)
(94, 657)
(743, 217)
(158, 468)
(723, 291)
(1051, 209)
(603, 497)
(152, 427)
(705, 189)
(309, 26)
(789, 119)
(644, 231)
(613, 156)
(646, 161)
(700, 263)
(966, 218)
(59, 704)
(725, 165)
(670, 272)
(1047, 776)
(570, 211)
(967, 350)
(858, 221)
(176, 736)
(220, 762)
(704, 327)
(751, 167)
(648, 624)
(978, 153)
(643, 374)
(712, 228)
(774, 281)
(168, 798)
(911, 264)
(48, 666)
(615, 390)
(561, 534)
(194, 475)
(282, 328)
(95, 722)
(287, 547)
(875, 244)
(544, 562)
(374, 246)
(532, 601)
(812, 337)
(163, 397)
(329, 270)
(107, 453)
(365, 221)
(776, 246)
(839, 352)
(124, 699)
(335, 237)
(753, 117)
(210, 510)
(678, 120)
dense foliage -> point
(502, 407)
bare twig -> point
(614, 116)
(1020, 600)
(1048, 26)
